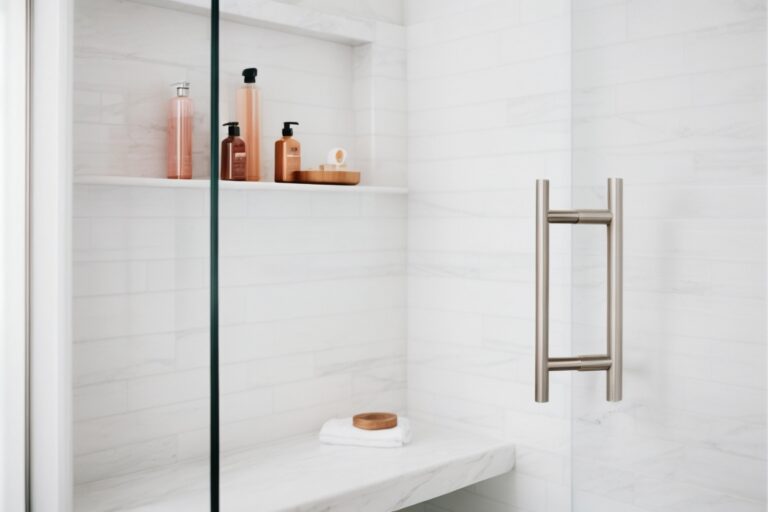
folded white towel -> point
(341, 431)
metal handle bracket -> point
(611, 362)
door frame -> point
(49, 258)
(14, 155)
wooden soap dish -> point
(321, 177)
(375, 420)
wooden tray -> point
(375, 420)
(327, 177)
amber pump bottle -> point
(287, 154)
(249, 117)
(233, 156)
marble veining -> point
(337, 478)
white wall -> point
(674, 103)
(390, 11)
(312, 318)
(489, 112)
(671, 96)
(312, 291)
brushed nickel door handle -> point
(611, 362)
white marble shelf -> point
(281, 16)
(300, 474)
(128, 181)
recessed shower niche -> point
(343, 79)
(312, 278)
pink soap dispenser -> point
(179, 149)
(249, 118)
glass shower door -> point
(312, 276)
(140, 253)
(670, 96)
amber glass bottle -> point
(287, 155)
(233, 155)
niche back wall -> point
(127, 55)
(312, 281)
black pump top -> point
(233, 128)
(250, 75)
(287, 130)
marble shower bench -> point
(300, 474)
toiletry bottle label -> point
(239, 165)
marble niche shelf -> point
(300, 474)
(129, 181)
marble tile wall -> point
(381, 139)
(671, 96)
(312, 318)
(312, 283)
(489, 112)
(314, 304)
(381, 10)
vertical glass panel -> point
(313, 289)
(140, 256)
(670, 96)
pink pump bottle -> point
(179, 148)
(249, 118)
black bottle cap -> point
(233, 128)
(250, 75)
(287, 130)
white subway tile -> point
(243, 405)
(307, 393)
(122, 358)
(99, 400)
(125, 459)
(168, 389)
(133, 427)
